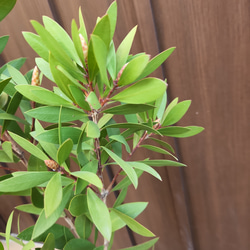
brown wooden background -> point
(206, 205)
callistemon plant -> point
(71, 135)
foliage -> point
(104, 106)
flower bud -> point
(51, 164)
(84, 46)
(121, 71)
(35, 77)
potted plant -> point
(104, 106)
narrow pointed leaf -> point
(175, 131)
(64, 151)
(163, 163)
(112, 13)
(144, 91)
(143, 246)
(44, 67)
(3, 84)
(49, 243)
(5, 7)
(99, 214)
(53, 194)
(16, 75)
(8, 230)
(134, 225)
(3, 42)
(28, 146)
(125, 109)
(124, 165)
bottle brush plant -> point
(104, 106)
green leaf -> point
(53, 195)
(112, 13)
(132, 210)
(8, 229)
(163, 163)
(143, 246)
(160, 105)
(16, 75)
(145, 168)
(1, 246)
(64, 151)
(111, 61)
(78, 205)
(158, 150)
(125, 109)
(50, 114)
(44, 67)
(79, 244)
(29, 208)
(122, 140)
(5, 7)
(124, 165)
(61, 36)
(37, 197)
(83, 226)
(3, 99)
(49, 243)
(3, 84)
(123, 49)
(92, 130)
(176, 113)
(57, 50)
(51, 135)
(41, 95)
(144, 91)
(99, 214)
(156, 62)
(163, 143)
(77, 41)
(24, 180)
(17, 63)
(133, 225)
(3, 42)
(29, 245)
(104, 120)
(102, 29)
(100, 52)
(89, 177)
(9, 117)
(169, 107)
(133, 70)
(7, 148)
(28, 146)
(79, 97)
(193, 130)
(44, 223)
(93, 100)
(174, 131)
(82, 29)
(121, 197)
(37, 45)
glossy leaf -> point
(41, 95)
(28, 146)
(100, 52)
(3, 99)
(144, 91)
(158, 150)
(156, 62)
(24, 181)
(37, 45)
(3, 84)
(61, 36)
(64, 151)
(174, 131)
(124, 48)
(125, 109)
(51, 136)
(44, 67)
(143, 246)
(79, 244)
(49, 243)
(79, 97)
(122, 140)
(3, 42)
(44, 223)
(124, 165)
(50, 114)
(78, 205)
(5, 7)
(176, 113)
(145, 168)
(92, 130)
(112, 13)
(169, 107)
(8, 229)
(193, 130)
(53, 194)
(133, 225)
(99, 214)
(133, 70)
(16, 75)
(29, 208)
(89, 177)
(83, 226)
(163, 163)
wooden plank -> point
(210, 67)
